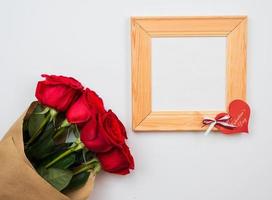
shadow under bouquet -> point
(55, 149)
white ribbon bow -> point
(223, 121)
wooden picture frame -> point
(143, 29)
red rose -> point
(85, 108)
(58, 92)
(94, 100)
(109, 133)
(118, 160)
(92, 139)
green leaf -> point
(93, 165)
(58, 150)
(25, 131)
(45, 144)
(78, 180)
(36, 120)
(84, 156)
(58, 178)
(65, 162)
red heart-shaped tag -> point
(239, 112)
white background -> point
(90, 40)
(187, 72)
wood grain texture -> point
(175, 121)
(188, 26)
(236, 62)
(144, 28)
(141, 73)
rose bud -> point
(118, 160)
(86, 107)
(58, 92)
(110, 132)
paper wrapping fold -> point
(18, 178)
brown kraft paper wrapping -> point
(18, 178)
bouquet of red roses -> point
(55, 149)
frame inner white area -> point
(188, 73)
